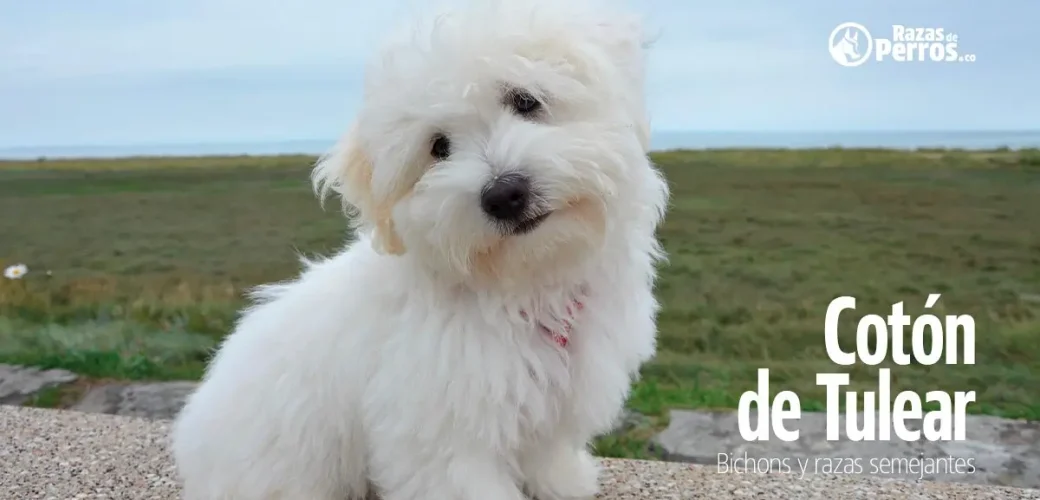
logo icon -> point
(851, 44)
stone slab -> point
(19, 383)
(159, 400)
(1001, 451)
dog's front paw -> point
(563, 475)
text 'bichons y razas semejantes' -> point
(932, 339)
(917, 467)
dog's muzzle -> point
(508, 201)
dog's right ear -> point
(347, 171)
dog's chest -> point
(552, 347)
(530, 363)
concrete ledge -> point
(59, 455)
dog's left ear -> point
(624, 39)
(625, 43)
(347, 171)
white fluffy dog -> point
(497, 303)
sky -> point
(105, 72)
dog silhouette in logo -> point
(846, 49)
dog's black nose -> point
(506, 197)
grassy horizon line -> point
(802, 155)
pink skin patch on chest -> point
(561, 338)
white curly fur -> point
(411, 364)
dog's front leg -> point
(462, 476)
(558, 470)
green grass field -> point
(148, 258)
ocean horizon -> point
(664, 140)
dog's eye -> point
(523, 102)
(441, 147)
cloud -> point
(122, 38)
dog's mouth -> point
(529, 224)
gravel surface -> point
(59, 455)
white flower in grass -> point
(16, 271)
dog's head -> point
(503, 140)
